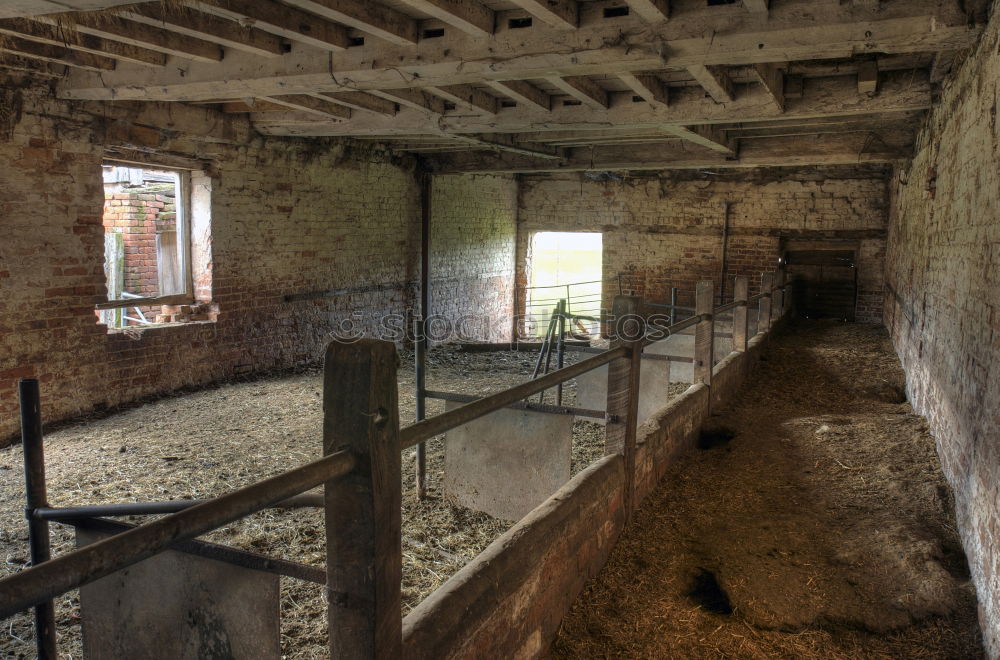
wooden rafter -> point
(469, 16)
(560, 14)
(651, 11)
(523, 92)
(56, 55)
(648, 86)
(210, 28)
(467, 97)
(145, 36)
(372, 18)
(715, 81)
(54, 36)
(312, 105)
(279, 19)
(584, 90)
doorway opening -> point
(564, 266)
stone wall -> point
(288, 218)
(942, 305)
(473, 235)
(667, 231)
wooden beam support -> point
(371, 18)
(508, 144)
(710, 137)
(715, 81)
(943, 63)
(56, 55)
(144, 36)
(363, 101)
(85, 43)
(648, 86)
(584, 90)
(524, 93)
(311, 105)
(211, 28)
(868, 78)
(560, 14)
(469, 16)
(468, 97)
(279, 19)
(772, 79)
(651, 11)
(413, 98)
(794, 30)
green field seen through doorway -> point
(564, 265)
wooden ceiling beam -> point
(363, 101)
(85, 43)
(651, 11)
(868, 78)
(715, 81)
(648, 86)
(143, 36)
(469, 16)
(560, 14)
(710, 137)
(584, 90)
(523, 92)
(794, 30)
(222, 31)
(56, 55)
(510, 145)
(414, 99)
(772, 79)
(282, 20)
(372, 18)
(850, 149)
(311, 105)
(468, 98)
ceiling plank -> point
(651, 11)
(311, 105)
(469, 16)
(560, 14)
(144, 36)
(584, 90)
(85, 43)
(279, 19)
(371, 18)
(772, 79)
(648, 86)
(204, 26)
(363, 101)
(794, 30)
(468, 97)
(715, 81)
(56, 55)
(523, 92)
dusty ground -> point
(205, 443)
(822, 528)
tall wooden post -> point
(623, 389)
(704, 334)
(741, 320)
(778, 297)
(766, 288)
(364, 555)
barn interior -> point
(200, 196)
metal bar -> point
(544, 349)
(645, 356)
(420, 352)
(39, 544)
(62, 514)
(438, 424)
(673, 305)
(226, 554)
(561, 347)
(84, 565)
(523, 405)
(728, 306)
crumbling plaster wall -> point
(473, 237)
(942, 306)
(288, 217)
(667, 231)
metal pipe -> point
(60, 514)
(523, 405)
(84, 565)
(728, 306)
(561, 346)
(39, 544)
(438, 424)
(420, 352)
(673, 305)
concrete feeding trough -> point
(508, 462)
(177, 606)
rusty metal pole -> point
(673, 305)
(420, 347)
(37, 498)
(364, 563)
(561, 347)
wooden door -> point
(826, 282)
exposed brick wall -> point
(942, 309)
(663, 232)
(473, 236)
(288, 217)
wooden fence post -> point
(741, 319)
(766, 288)
(623, 389)
(778, 297)
(364, 555)
(704, 334)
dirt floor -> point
(205, 443)
(822, 527)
